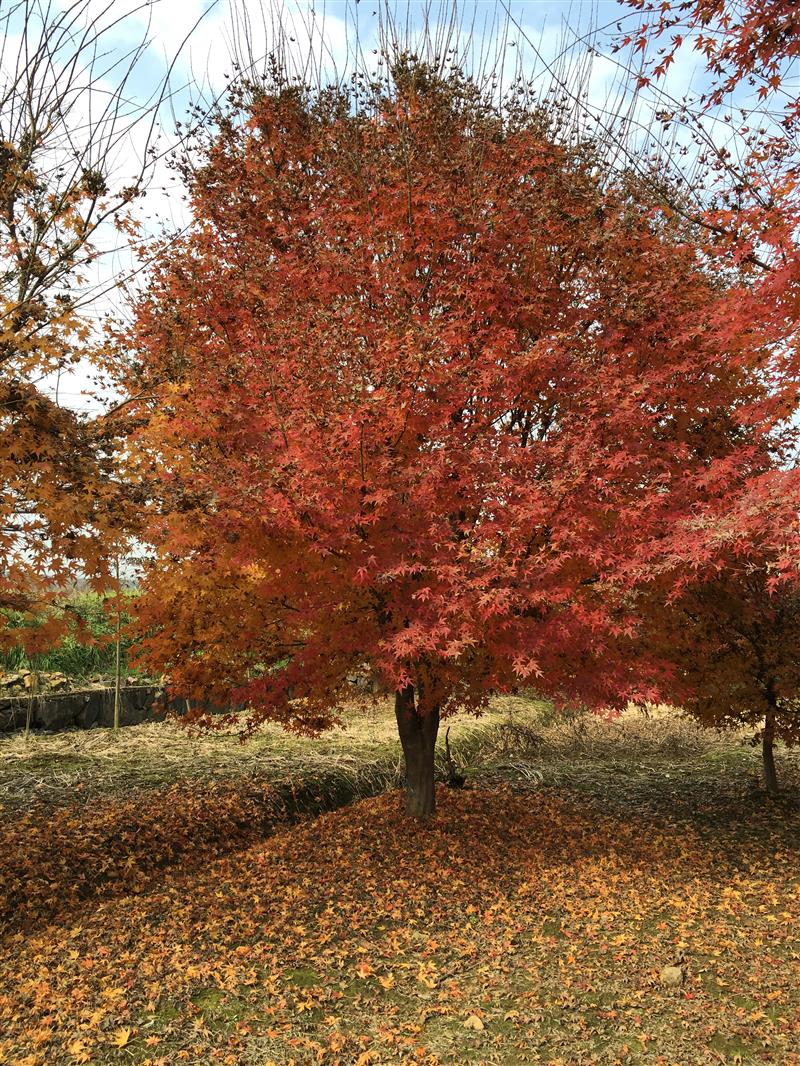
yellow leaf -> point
(473, 1022)
(113, 993)
(78, 1051)
(387, 982)
(122, 1037)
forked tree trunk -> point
(768, 754)
(418, 738)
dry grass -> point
(661, 761)
(58, 768)
(632, 755)
(536, 730)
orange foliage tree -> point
(64, 112)
(52, 465)
(431, 384)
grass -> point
(55, 769)
(659, 761)
(155, 922)
(518, 739)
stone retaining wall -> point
(81, 710)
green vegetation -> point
(88, 649)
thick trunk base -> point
(418, 738)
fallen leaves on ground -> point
(517, 927)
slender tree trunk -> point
(418, 737)
(118, 659)
(768, 754)
(34, 695)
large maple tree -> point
(428, 385)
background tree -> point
(67, 114)
(733, 628)
(734, 644)
(755, 42)
(429, 385)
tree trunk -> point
(418, 737)
(768, 754)
(118, 657)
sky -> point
(194, 44)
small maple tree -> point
(723, 607)
(429, 383)
(736, 643)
